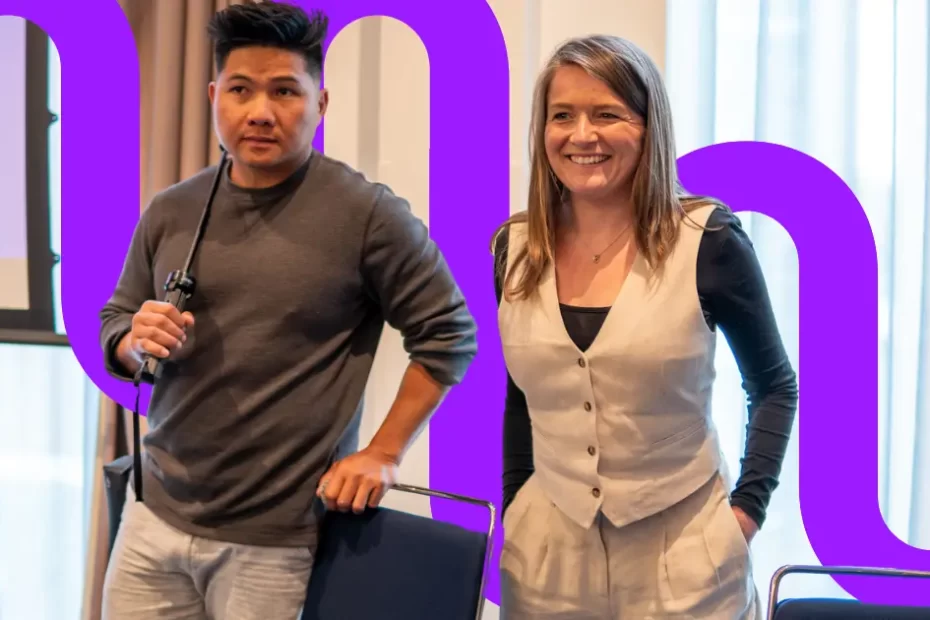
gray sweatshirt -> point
(294, 285)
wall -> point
(378, 121)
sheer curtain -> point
(48, 426)
(846, 82)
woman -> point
(611, 287)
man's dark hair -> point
(269, 24)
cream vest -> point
(625, 427)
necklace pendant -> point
(597, 258)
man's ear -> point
(323, 101)
(211, 92)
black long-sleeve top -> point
(735, 299)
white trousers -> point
(688, 561)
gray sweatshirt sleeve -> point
(409, 279)
(133, 288)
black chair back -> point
(392, 565)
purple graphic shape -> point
(838, 316)
(469, 194)
(100, 195)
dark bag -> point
(116, 481)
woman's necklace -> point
(597, 257)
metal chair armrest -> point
(833, 570)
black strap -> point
(137, 442)
(183, 274)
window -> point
(845, 82)
(48, 432)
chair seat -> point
(840, 609)
(388, 564)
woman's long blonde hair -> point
(659, 201)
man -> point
(254, 420)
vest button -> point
(591, 450)
(581, 362)
(587, 406)
(596, 492)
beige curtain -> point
(177, 140)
